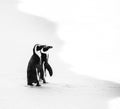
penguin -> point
(32, 66)
(44, 63)
(45, 57)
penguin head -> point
(37, 47)
(46, 48)
(41, 48)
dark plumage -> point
(32, 67)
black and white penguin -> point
(44, 62)
(32, 66)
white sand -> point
(67, 89)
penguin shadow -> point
(25, 30)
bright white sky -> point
(90, 29)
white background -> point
(85, 58)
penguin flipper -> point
(48, 67)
